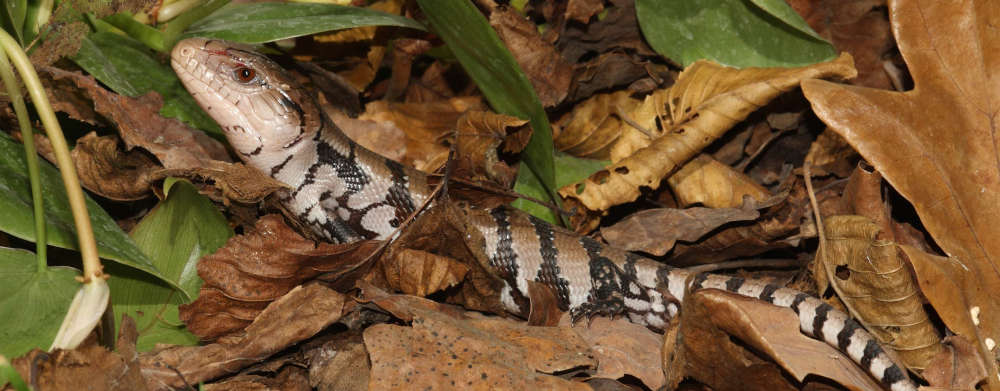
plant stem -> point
(14, 93)
(85, 234)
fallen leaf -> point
(933, 144)
(705, 181)
(253, 269)
(655, 231)
(478, 139)
(548, 72)
(300, 314)
(957, 367)
(340, 364)
(106, 170)
(421, 273)
(874, 283)
(624, 348)
(609, 126)
(705, 102)
(710, 356)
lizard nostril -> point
(187, 52)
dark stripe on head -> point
(767, 294)
(822, 311)
(276, 169)
(733, 284)
(254, 152)
(549, 272)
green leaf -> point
(32, 302)
(492, 67)
(183, 228)
(266, 22)
(129, 68)
(139, 31)
(15, 207)
(569, 169)
(8, 375)
(13, 13)
(739, 33)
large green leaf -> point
(178, 232)
(488, 62)
(129, 68)
(569, 169)
(739, 33)
(15, 207)
(266, 22)
(32, 302)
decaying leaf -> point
(439, 350)
(704, 103)
(957, 367)
(175, 144)
(548, 72)
(706, 352)
(609, 126)
(624, 348)
(705, 181)
(340, 364)
(361, 75)
(654, 231)
(876, 286)
(298, 315)
(934, 144)
(106, 170)
(478, 136)
(409, 132)
(421, 273)
(253, 269)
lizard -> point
(344, 192)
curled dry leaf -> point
(139, 123)
(253, 269)
(609, 126)
(340, 364)
(290, 378)
(706, 352)
(655, 231)
(479, 134)
(422, 126)
(296, 316)
(876, 286)
(364, 73)
(830, 153)
(115, 174)
(84, 368)
(934, 145)
(439, 350)
(705, 181)
(704, 103)
(548, 72)
(421, 273)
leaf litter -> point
(281, 310)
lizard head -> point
(262, 110)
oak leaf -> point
(936, 145)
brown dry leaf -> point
(830, 153)
(253, 269)
(609, 126)
(958, 367)
(85, 368)
(548, 72)
(106, 170)
(613, 70)
(655, 231)
(139, 123)
(421, 273)
(439, 350)
(543, 305)
(479, 134)
(296, 316)
(877, 287)
(624, 348)
(361, 76)
(706, 352)
(340, 364)
(582, 10)
(409, 132)
(288, 378)
(934, 145)
(705, 181)
(704, 103)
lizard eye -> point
(244, 74)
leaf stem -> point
(85, 234)
(14, 93)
